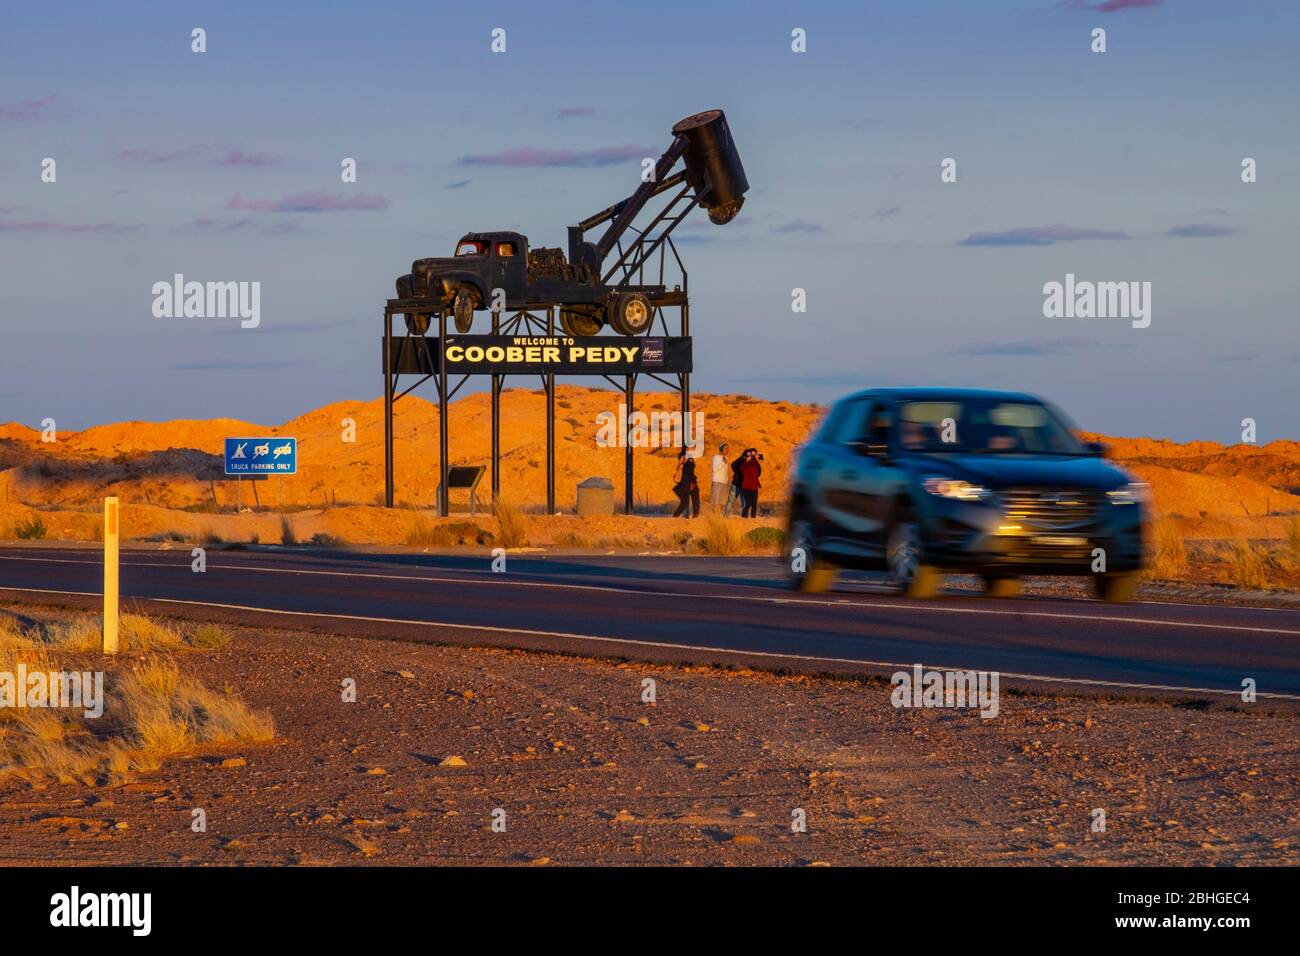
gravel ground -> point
(583, 771)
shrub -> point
(321, 539)
(209, 636)
(209, 537)
(286, 531)
(765, 538)
(1293, 537)
(30, 529)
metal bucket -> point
(713, 166)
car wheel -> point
(903, 555)
(417, 324)
(1001, 587)
(462, 310)
(819, 574)
(1115, 588)
(579, 322)
(631, 313)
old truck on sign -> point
(493, 270)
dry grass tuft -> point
(1169, 558)
(423, 532)
(720, 537)
(1249, 566)
(512, 526)
(152, 711)
(139, 633)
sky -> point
(225, 166)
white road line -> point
(496, 580)
(495, 629)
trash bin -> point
(596, 497)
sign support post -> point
(110, 575)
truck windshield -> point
(470, 247)
(985, 426)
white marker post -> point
(110, 575)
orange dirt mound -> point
(169, 473)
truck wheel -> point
(819, 574)
(462, 310)
(904, 554)
(417, 324)
(630, 313)
(579, 322)
(1001, 587)
(1115, 588)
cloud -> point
(798, 227)
(458, 184)
(286, 328)
(157, 157)
(1022, 347)
(884, 212)
(236, 157)
(222, 225)
(528, 156)
(28, 110)
(30, 226)
(1038, 236)
(310, 202)
(227, 156)
(243, 225)
(1113, 6)
(1200, 230)
(218, 366)
(566, 112)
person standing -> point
(734, 497)
(686, 487)
(721, 480)
(751, 469)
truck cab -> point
(465, 281)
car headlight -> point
(1134, 493)
(956, 489)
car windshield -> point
(469, 247)
(984, 426)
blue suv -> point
(922, 481)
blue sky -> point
(225, 166)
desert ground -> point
(1227, 514)
(442, 741)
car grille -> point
(1051, 509)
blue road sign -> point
(261, 456)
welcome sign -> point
(542, 354)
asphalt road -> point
(729, 610)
